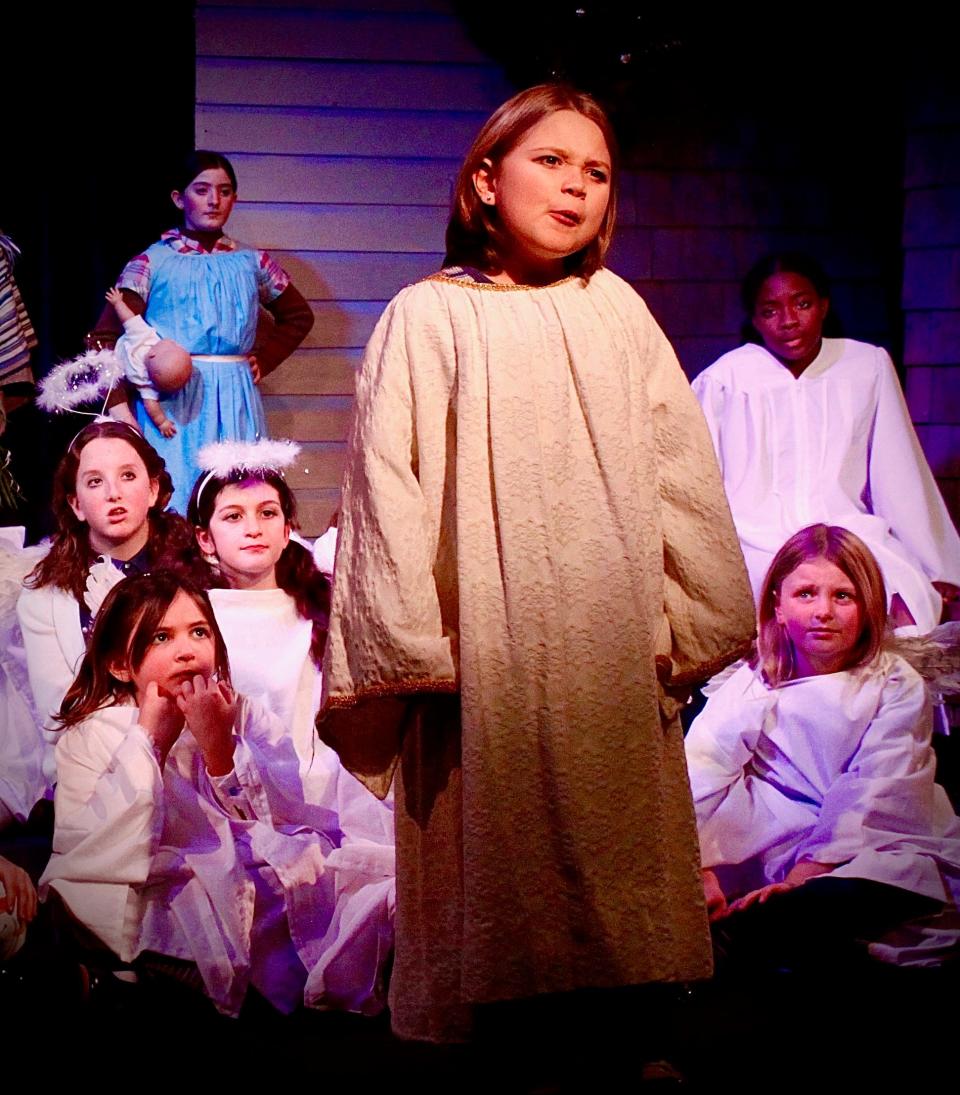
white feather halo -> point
(80, 380)
(224, 458)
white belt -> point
(221, 359)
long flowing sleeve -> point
(902, 487)
(387, 639)
(707, 599)
(740, 816)
(711, 397)
(49, 670)
(110, 811)
(884, 817)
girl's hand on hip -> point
(255, 369)
(161, 719)
(210, 708)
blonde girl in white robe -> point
(181, 826)
(813, 778)
(811, 429)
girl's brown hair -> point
(170, 542)
(297, 574)
(848, 552)
(128, 619)
(474, 235)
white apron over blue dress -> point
(208, 303)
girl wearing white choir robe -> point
(813, 776)
(110, 494)
(273, 615)
(535, 560)
(812, 429)
(181, 824)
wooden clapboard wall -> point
(346, 124)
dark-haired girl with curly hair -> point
(272, 605)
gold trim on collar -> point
(496, 286)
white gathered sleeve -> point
(711, 398)
(888, 789)
(836, 769)
(902, 487)
(109, 807)
(740, 817)
(51, 674)
(227, 872)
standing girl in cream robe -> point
(536, 559)
(813, 778)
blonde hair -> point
(474, 235)
(775, 655)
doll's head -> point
(151, 627)
(786, 297)
(205, 191)
(823, 606)
(538, 185)
(168, 365)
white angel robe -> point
(24, 779)
(236, 874)
(836, 768)
(268, 644)
(534, 545)
(834, 445)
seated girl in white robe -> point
(181, 824)
(809, 428)
(272, 605)
(812, 772)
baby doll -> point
(153, 364)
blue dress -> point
(208, 303)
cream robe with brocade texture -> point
(533, 530)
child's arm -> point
(120, 306)
(157, 417)
(210, 708)
(713, 894)
(886, 793)
(798, 874)
(122, 413)
(108, 802)
(18, 894)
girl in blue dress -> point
(203, 290)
